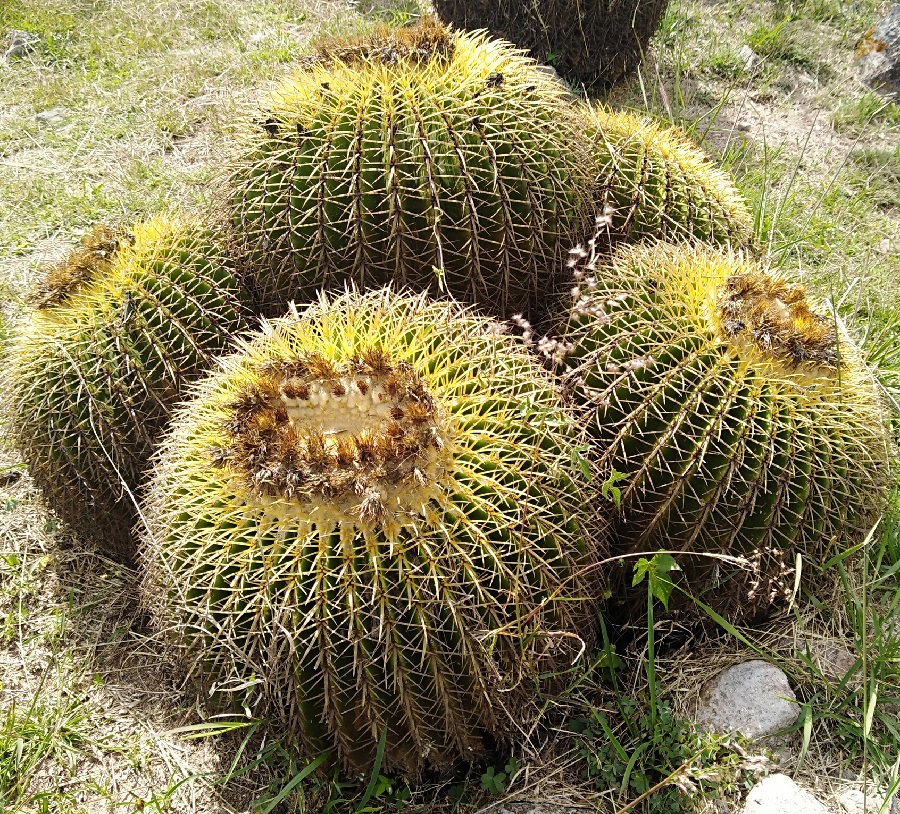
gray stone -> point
(778, 794)
(879, 54)
(753, 698)
(749, 57)
(19, 43)
(55, 115)
(853, 801)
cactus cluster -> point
(116, 332)
(366, 525)
(378, 521)
(441, 162)
(739, 414)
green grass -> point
(38, 733)
(857, 114)
(875, 174)
(789, 41)
(140, 91)
(855, 711)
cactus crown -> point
(81, 267)
(312, 434)
(775, 316)
(426, 41)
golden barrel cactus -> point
(655, 184)
(93, 369)
(421, 158)
(366, 526)
(733, 413)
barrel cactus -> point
(654, 183)
(589, 42)
(367, 527)
(733, 415)
(93, 369)
(419, 157)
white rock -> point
(56, 115)
(778, 794)
(753, 698)
(853, 802)
(748, 56)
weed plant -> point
(653, 757)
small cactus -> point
(367, 526)
(421, 158)
(735, 414)
(116, 331)
(655, 184)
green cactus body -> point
(421, 158)
(656, 184)
(592, 44)
(366, 526)
(95, 367)
(745, 424)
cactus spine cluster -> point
(742, 419)
(655, 184)
(423, 158)
(116, 331)
(370, 510)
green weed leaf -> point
(493, 781)
(657, 570)
(610, 491)
(579, 462)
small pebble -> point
(19, 44)
(55, 115)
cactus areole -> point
(741, 422)
(366, 526)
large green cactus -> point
(421, 158)
(742, 421)
(367, 525)
(94, 368)
(590, 42)
(655, 184)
